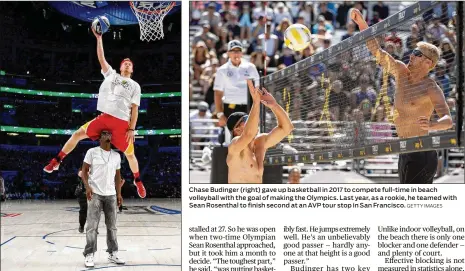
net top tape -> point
(345, 45)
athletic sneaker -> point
(113, 257)
(89, 260)
(53, 165)
(81, 229)
(140, 188)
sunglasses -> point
(418, 53)
(243, 119)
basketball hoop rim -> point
(152, 12)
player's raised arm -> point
(100, 53)
(384, 58)
(251, 126)
(284, 127)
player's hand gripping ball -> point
(101, 24)
(297, 37)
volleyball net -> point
(344, 103)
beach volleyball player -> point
(415, 99)
(118, 100)
(246, 152)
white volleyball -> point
(297, 37)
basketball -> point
(101, 24)
(297, 37)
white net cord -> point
(150, 16)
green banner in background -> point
(48, 131)
(79, 95)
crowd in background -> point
(356, 82)
(160, 171)
(36, 42)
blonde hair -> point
(430, 51)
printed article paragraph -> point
(314, 197)
(347, 248)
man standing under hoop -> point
(230, 85)
(416, 97)
(246, 152)
(118, 100)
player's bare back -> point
(411, 101)
(247, 166)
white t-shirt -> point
(117, 94)
(102, 172)
(232, 81)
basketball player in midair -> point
(416, 97)
(118, 100)
(246, 151)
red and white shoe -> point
(140, 189)
(53, 165)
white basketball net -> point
(150, 16)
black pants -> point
(418, 167)
(82, 210)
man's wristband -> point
(219, 114)
(131, 130)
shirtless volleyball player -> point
(118, 100)
(416, 97)
(247, 149)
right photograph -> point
(326, 92)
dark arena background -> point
(49, 79)
(337, 95)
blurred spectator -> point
(448, 53)
(245, 21)
(212, 17)
(307, 14)
(322, 24)
(342, 14)
(281, 13)
(381, 9)
(279, 32)
(269, 42)
(287, 58)
(364, 91)
(205, 35)
(200, 59)
(326, 13)
(263, 11)
(258, 59)
(350, 31)
(441, 77)
(200, 128)
(397, 41)
(436, 30)
(339, 99)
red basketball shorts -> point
(117, 127)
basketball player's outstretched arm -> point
(251, 127)
(284, 127)
(100, 53)
(438, 100)
(384, 58)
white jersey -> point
(232, 81)
(117, 94)
(102, 172)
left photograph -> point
(90, 153)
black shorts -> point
(418, 167)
